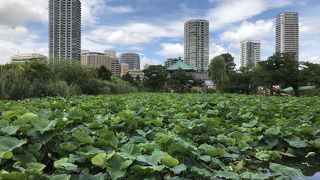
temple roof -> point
(180, 65)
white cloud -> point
(18, 39)
(312, 59)
(18, 12)
(258, 31)
(134, 34)
(147, 61)
(232, 11)
(169, 50)
(119, 9)
(309, 25)
(216, 50)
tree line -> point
(57, 78)
(279, 69)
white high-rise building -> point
(196, 44)
(65, 29)
(250, 53)
(287, 33)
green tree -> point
(37, 70)
(240, 82)
(280, 69)
(310, 74)
(180, 81)
(104, 73)
(127, 77)
(229, 60)
(155, 78)
(218, 72)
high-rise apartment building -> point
(287, 33)
(196, 44)
(132, 59)
(250, 53)
(65, 29)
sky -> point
(154, 28)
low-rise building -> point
(23, 58)
(124, 69)
(136, 72)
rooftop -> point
(180, 65)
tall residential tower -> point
(250, 53)
(196, 44)
(65, 29)
(287, 33)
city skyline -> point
(133, 27)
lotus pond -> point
(160, 136)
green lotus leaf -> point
(296, 142)
(274, 131)
(42, 125)
(178, 169)
(13, 175)
(263, 156)
(64, 164)
(35, 168)
(117, 166)
(9, 130)
(284, 170)
(227, 175)
(29, 117)
(68, 147)
(100, 159)
(83, 137)
(60, 177)
(130, 151)
(169, 161)
(226, 140)
(7, 144)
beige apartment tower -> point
(196, 44)
(287, 33)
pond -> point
(310, 167)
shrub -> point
(14, 85)
(74, 90)
(72, 71)
(119, 86)
(57, 88)
(94, 87)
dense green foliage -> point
(157, 136)
(279, 69)
(155, 78)
(104, 73)
(57, 78)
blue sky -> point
(154, 28)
